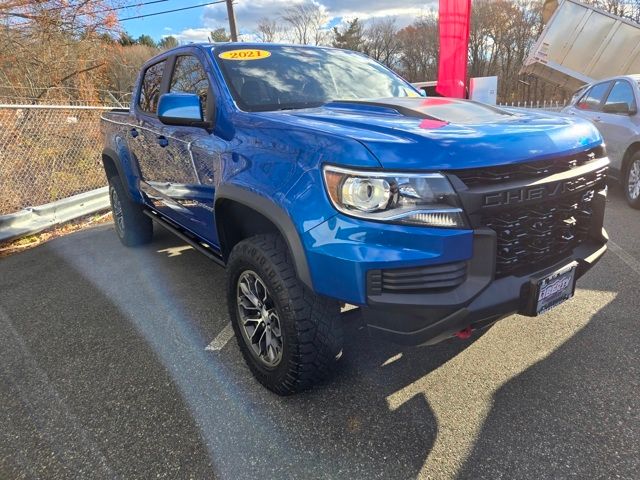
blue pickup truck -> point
(320, 178)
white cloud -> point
(365, 9)
(193, 35)
(249, 14)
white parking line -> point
(625, 257)
(221, 339)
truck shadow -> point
(575, 413)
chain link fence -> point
(21, 95)
(47, 153)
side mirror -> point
(182, 109)
(621, 107)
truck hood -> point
(444, 133)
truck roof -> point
(253, 45)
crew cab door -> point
(177, 162)
(148, 144)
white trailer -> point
(581, 44)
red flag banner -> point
(453, 25)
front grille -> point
(535, 236)
(434, 278)
(526, 171)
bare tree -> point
(382, 42)
(268, 30)
(71, 16)
(629, 9)
(55, 48)
(418, 49)
(307, 22)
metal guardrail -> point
(35, 219)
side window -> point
(592, 99)
(189, 77)
(150, 89)
(622, 93)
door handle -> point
(162, 141)
(134, 133)
(597, 119)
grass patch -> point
(30, 241)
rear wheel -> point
(290, 337)
(132, 225)
(631, 181)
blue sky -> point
(194, 25)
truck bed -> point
(581, 44)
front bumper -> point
(477, 303)
(485, 297)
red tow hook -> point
(464, 333)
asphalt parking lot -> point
(105, 373)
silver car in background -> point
(612, 105)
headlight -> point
(409, 198)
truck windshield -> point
(270, 77)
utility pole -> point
(232, 21)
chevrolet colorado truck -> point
(320, 178)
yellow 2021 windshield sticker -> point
(244, 54)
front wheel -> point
(631, 181)
(290, 337)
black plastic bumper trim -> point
(426, 325)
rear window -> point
(150, 88)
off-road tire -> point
(633, 202)
(310, 324)
(132, 226)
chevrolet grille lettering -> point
(527, 194)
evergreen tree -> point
(126, 39)
(147, 41)
(351, 37)
(168, 42)
(219, 35)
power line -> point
(112, 9)
(232, 24)
(105, 10)
(139, 4)
(171, 11)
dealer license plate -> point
(555, 289)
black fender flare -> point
(277, 216)
(117, 162)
